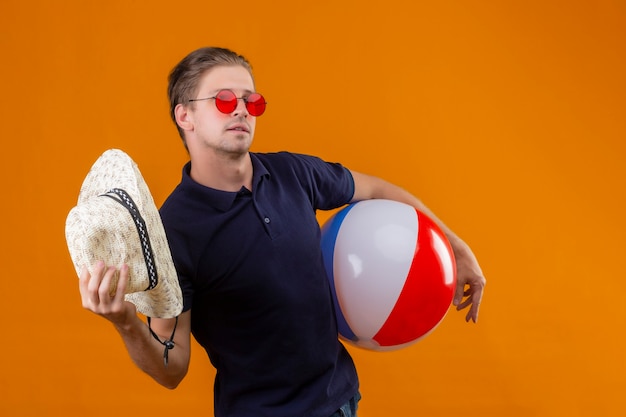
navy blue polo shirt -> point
(251, 270)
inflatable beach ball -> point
(392, 273)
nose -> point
(241, 109)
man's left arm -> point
(470, 278)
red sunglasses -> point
(226, 102)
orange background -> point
(506, 118)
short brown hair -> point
(184, 78)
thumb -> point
(458, 293)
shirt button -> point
(267, 220)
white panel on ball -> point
(379, 250)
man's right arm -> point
(143, 348)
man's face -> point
(226, 133)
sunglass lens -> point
(255, 103)
(226, 101)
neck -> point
(222, 172)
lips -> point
(239, 128)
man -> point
(246, 245)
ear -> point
(184, 118)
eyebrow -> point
(245, 90)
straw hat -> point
(116, 221)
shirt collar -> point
(221, 200)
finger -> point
(106, 291)
(473, 312)
(83, 284)
(122, 284)
(459, 293)
(93, 284)
(464, 304)
(83, 280)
